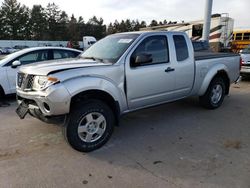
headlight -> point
(42, 82)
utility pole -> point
(207, 20)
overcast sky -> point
(174, 10)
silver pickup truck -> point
(119, 74)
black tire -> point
(207, 101)
(76, 116)
(1, 93)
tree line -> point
(18, 22)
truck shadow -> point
(180, 134)
(180, 141)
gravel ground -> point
(174, 145)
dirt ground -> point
(174, 145)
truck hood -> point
(54, 66)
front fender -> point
(210, 75)
(85, 83)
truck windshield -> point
(111, 48)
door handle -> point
(169, 69)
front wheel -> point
(89, 125)
(214, 95)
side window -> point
(246, 36)
(180, 47)
(156, 47)
(34, 57)
(238, 36)
(60, 54)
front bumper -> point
(53, 101)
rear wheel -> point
(214, 95)
(89, 125)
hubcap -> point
(91, 127)
(216, 94)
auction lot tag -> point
(125, 40)
(22, 110)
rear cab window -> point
(181, 48)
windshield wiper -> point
(94, 58)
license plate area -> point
(22, 110)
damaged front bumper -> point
(50, 106)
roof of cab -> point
(149, 32)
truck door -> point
(184, 65)
(152, 80)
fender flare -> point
(210, 75)
(86, 83)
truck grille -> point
(25, 81)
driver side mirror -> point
(141, 59)
(15, 64)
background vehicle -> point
(9, 65)
(20, 47)
(241, 39)
(245, 56)
(10, 50)
(20, 44)
(119, 74)
(7, 50)
(88, 41)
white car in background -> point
(245, 56)
(9, 65)
(7, 50)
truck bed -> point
(201, 55)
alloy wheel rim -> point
(216, 93)
(91, 127)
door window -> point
(246, 36)
(238, 36)
(34, 57)
(156, 47)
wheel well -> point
(100, 95)
(224, 76)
